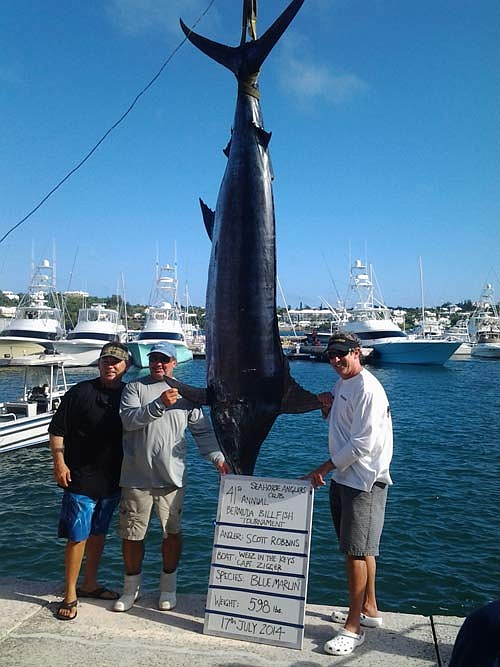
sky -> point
(385, 143)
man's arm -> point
(202, 431)
(62, 473)
(136, 416)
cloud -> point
(310, 81)
(140, 16)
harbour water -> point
(440, 550)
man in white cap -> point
(155, 418)
(360, 443)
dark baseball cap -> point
(117, 350)
(343, 342)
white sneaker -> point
(167, 601)
(168, 585)
(131, 587)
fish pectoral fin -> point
(296, 399)
(227, 149)
(208, 218)
(197, 395)
(263, 136)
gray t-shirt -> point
(154, 444)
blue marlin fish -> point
(248, 378)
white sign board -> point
(260, 560)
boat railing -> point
(8, 416)
(20, 409)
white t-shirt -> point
(360, 432)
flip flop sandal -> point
(67, 606)
(344, 643)
(364, 620)
(101, 593)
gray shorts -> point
(136, 506)
(358, 517)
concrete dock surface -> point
(31, 635)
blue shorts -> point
(82, 516)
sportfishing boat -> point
(38, 321)
(95, 326)
(24, 422)
(194, 335)
(163, 320)
(484, 326)
(370, 319)
(460, 331)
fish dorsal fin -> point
(208, 218)
(296, 399)
(196, 395)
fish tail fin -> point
(296, 399)
(245, 60)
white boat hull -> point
(24, 432)
(14, 348)
(40, 360)
(465, 350)
(486, 350)
(80, 353)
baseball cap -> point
(117, 350)
(164, 348)
(343, 342)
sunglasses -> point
(338, 353)
(159, 357)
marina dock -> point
(30, 635)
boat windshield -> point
(39, 314)
(98, 315)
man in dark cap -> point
(86, 442)
(360, 444)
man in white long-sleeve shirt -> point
(360, 444)
(155, 418)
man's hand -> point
(169, 397)
(326, 400)
(317, 476)
(62, 473)
(222, 467)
